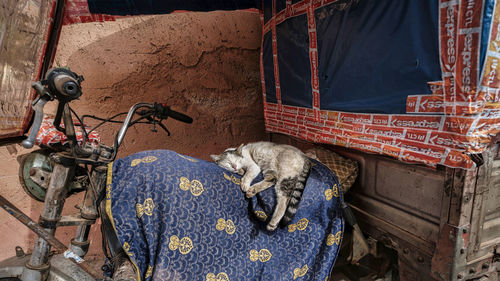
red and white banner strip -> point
(294, 10)
(448, 16)
(313, 58)
(434, 104)
(436, 87)
(453, 140)
(465, 125)
(275, 55)
(402, 150)
(470, 134)
(490, 77)
(77, 11)
(262, 78)
(468, 44)
(425, 104)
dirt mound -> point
(203, 64)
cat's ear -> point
(215, 157)
(240, 150)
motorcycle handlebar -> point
(162, 110)
(64, 86)
(165, 111)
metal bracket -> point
(20, 252)
(449, 261)
(74, 219)
(40, 177)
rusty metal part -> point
(52, 208)
(19, 252)
(418, 208)
(450, 253)
(449, 218)
(88, 209)
(74, 219)
(469, 236)
(59, 247)
(360, 247)
(40, 177)
(35, 169)
(81, 247)
(484, 224)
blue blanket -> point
(181, 218)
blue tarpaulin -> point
(371, 55)
(149, 7)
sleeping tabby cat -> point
(283, 166)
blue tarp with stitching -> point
(371, 55)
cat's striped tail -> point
(299, 183)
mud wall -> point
(203, 64)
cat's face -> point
(230, 160)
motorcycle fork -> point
(88, 210)
(38, 266)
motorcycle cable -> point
(82, 125)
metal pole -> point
(38, 266)
(49, 238)
(80, 244)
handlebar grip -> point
(37, 123)
(178, 116)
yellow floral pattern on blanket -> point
(300, 271)
(184, 245)
(194, 186)
(334, 238)
(261, 215)
(232, 178)
(147, 159)
(185, 219)
(126, 247)
(227, 225)
(146, 208)
(263, 255)
(301, 225)
(222, 276)
(332, 192)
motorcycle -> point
(164, 216)
(52, 174)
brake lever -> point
(37, 106)
(154, 122)
(164, 128)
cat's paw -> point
(250, 193)
(245, 188)
(271, 227)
